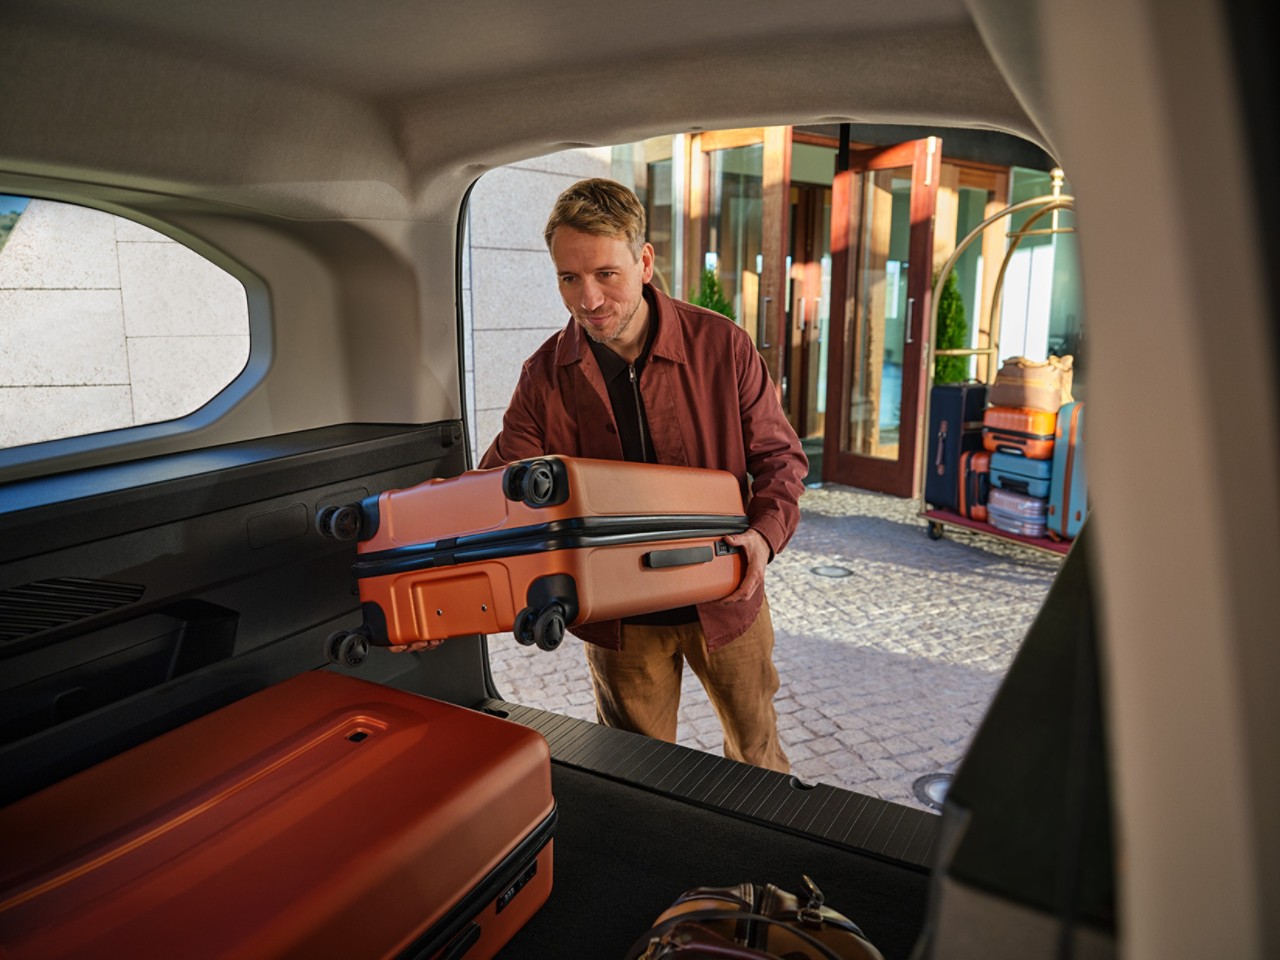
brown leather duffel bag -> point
(752, 922)
(1032, 384)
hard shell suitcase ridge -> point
(1009, 471)
(325, 816)
(975, 484)
(1017, 513)
(537, 546)
(1019, 430)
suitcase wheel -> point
(523, 628)
(348, 648)
(513, 481)
(537, 482)
(341, 523)
(935, 530)
(538, 485)
(548, 629)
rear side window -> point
(105, 323)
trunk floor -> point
(623, 853)
(626, 848)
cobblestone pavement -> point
(885, 671)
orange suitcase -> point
(975, 484)
(1019, 430)
(537, 546)
(323, 817)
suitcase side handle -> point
(687, 556)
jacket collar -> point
(668, 344)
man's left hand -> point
(755, 553)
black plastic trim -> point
(511, 869)
(537, 538)
(52, 512)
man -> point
(636, 375)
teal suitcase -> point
(1009, 471)
(1068, 483)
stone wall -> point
(510, 301)
(105, 323)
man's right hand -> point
(411, 647)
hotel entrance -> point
(823, 255)
(824, 251)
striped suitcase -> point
(325, 816)
(1019, 430)
(1017, 513)
(1069, 491)
(538, 546)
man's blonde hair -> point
(603, 208)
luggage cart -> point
(1040, 207)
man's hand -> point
(755, 553)
(420, 645)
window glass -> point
(1042, 307)
(105, 323)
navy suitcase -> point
(1021, 474)
(955, 426)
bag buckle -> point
(811, 913)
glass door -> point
(882, 253)
(738, 213)
(809, 308)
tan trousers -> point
(638, 687)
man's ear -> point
(646, 262)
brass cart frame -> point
(1041, 207)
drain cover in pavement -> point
(828, 570)
(931, 789)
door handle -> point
(911, 310)
(764, 320)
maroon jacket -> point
(709, 402)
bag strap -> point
(675, 949)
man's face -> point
(601, 283)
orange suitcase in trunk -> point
(537, 546)
(1019, 430)
(323, 817)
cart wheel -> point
(347, 649)
(513, 481)
(935, 530)
(548, 629)
(523, 628)
(539, 484)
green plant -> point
(711, 295)
(953, 333)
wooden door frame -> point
(775, 226)
(898, 477)
(803, 329)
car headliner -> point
(392, 112)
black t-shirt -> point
(633, 431)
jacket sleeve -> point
(775, 461)
(523, 432)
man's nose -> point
(592, 295)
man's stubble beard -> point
(622, 328)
